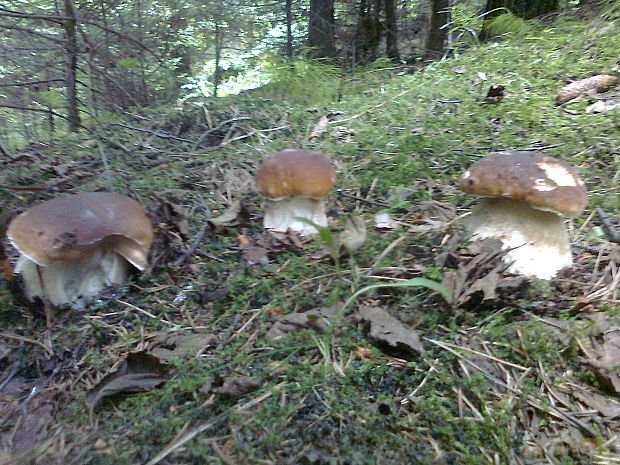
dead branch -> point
(608, 226)
(40, 110)
(31, 83)
(31, 32)
(148, 131)
(16, 14)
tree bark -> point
(368, 31)
(289, 28)
(437, 33)
(391, 31)
(73, 115)
(526, 9)
(217, 73)
(321, 28)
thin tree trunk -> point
(143, 88)
(289, 28)
(73, 115)
(321, 29)
(50, 115)
(437, 33)
(217, 74)
(391, 31)
(368, 31)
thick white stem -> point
(72, 281)
(280, 215)
(537, 241)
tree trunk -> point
(321, 29)
(217, 74)
(437, 33)
(368, 31)
(73, 115)
(391, 31)
(289, 28)
(526, 9)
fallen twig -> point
(608, 226)
(148, 131)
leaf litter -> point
(478, 268)
(385, 328)
(138, 372)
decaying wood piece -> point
(599, 83)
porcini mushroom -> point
(295, 181)
(527, 196)
(72, 247)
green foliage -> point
(414, 282)
(509, 25)
(303, 81)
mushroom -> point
(527, 196)
(296, 182)
(72, 247)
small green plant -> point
(508, 25)
(413, 282)
(327, 237)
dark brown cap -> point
(73, 227)
(295, 172)
(544, 182)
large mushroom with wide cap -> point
(527, 196)
(73, 247)
(295, 181)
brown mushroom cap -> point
(544, 182)
(295, 172)
(73, 227)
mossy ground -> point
(411, 137)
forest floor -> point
(242, 342)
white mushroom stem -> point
(280, 215)
(72, 281)
(537, 241)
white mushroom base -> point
(72, 282)
(536, 241)
(280, 215)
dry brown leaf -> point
(353, 235)
(602, 348)
(312, 319)
(31, 427)
(479, 268)
(607, 407)
(176, 345)
(255, 255)
(495, 94)
(425, 225)
(232, 386)
(599, 83)
(441, 211)
(139, 372)
(385, 221)
(229, 217)
(603, 106)
(363, 353)
(385, 328)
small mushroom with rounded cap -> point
(527, 197)
(73, 247)
(296, 182)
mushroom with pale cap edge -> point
(527, 196)
(295, 181)
(73, 247)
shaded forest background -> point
(72, 64)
